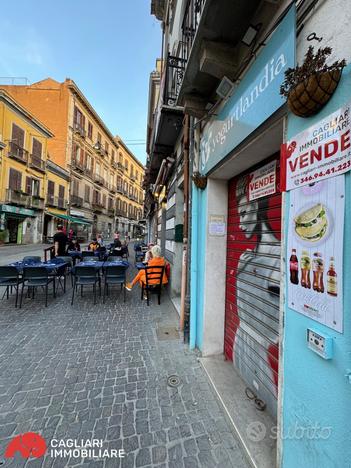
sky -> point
(108, 47)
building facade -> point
(85, 148)
(275, 357)
(22, 172)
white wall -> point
(215, 271)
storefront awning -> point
(71, 219)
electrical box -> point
(320, 343)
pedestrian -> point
(60, 241)
(116, 235)
(74, 245)
(94, 245)
(100, 240)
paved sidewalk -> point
(101, 372)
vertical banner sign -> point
(262, 182)
(319, 152)
(315, 249)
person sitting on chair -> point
(94, 245)
(74, 245)
(156, 260)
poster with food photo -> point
(315, 251)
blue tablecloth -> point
(101, 265)
(75, 254)
(53, 266)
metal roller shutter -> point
(252, 288)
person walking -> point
(60, 242)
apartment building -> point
(24, 145)
(97, 162)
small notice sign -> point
(263, 181)
(216, 225)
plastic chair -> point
(87, 253)
(153, 282)
(34, 277)
(86, 276)
(115, 275)
(32, 259)
(114, 258)
(90, 259)
(9, 278)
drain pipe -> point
(185, 225)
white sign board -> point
(319, 152)
(315, 250)
(263, 181)
(217, 225)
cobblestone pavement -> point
(101, 372)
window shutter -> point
(18, 135)
(15, 180)
(37, 149)
(51, 187)
(61, 192)
(28, 185)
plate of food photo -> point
(313, 224)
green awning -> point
(71, 219)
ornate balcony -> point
(37, 163)
(98, 207)
(17, 197)
(76, 201)
(78, 165)
(98, 179)
(79, 129)
(17, 152)
(37, 203)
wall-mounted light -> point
(225, 87)
(251, 34)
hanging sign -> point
(263, 181)
(315, 249)
(319, 152)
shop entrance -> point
(13, 228)
(252, 289)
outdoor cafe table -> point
(52, 267)
(101, 265)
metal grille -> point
(252, 289)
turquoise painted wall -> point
(316, 391)
(198, 250)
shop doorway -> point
(251, 334)
(13, 228)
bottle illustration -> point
(318, 268)
(294, 268)
(332, 282)
(305, 270)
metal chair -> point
(153, 282)
(86, 276)
(87, 253)
(115, 275)
(66, 270)
(10, 278)
(32, 259)
(34, 277)
(90, 259)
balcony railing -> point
(76, 201)
(190, 24)
(112, 188)
(37, 163)
(120, 212)
(119, 189)
(78, 165)
(174, 73)
(58, 202)
(120, 166)
(36, 203)
(17, 197)
(111, 211)
(98, 206)
(79, 129)
(98, 179)
(17, 152)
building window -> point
(88, 159)
(106, 147)
(51, 190)
(78, 119)
(87, 194)
(37, 150)
(90, 130)
(112, 156)
(35, 187)
(97, 168)
(99, 137)
(15, 180)
(75, 187)
(126, 164)
(61, 194)
(17, 141)
(104, 200)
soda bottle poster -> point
(315, 251)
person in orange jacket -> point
(156, 260)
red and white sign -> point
(263, 181)
(321, 151)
